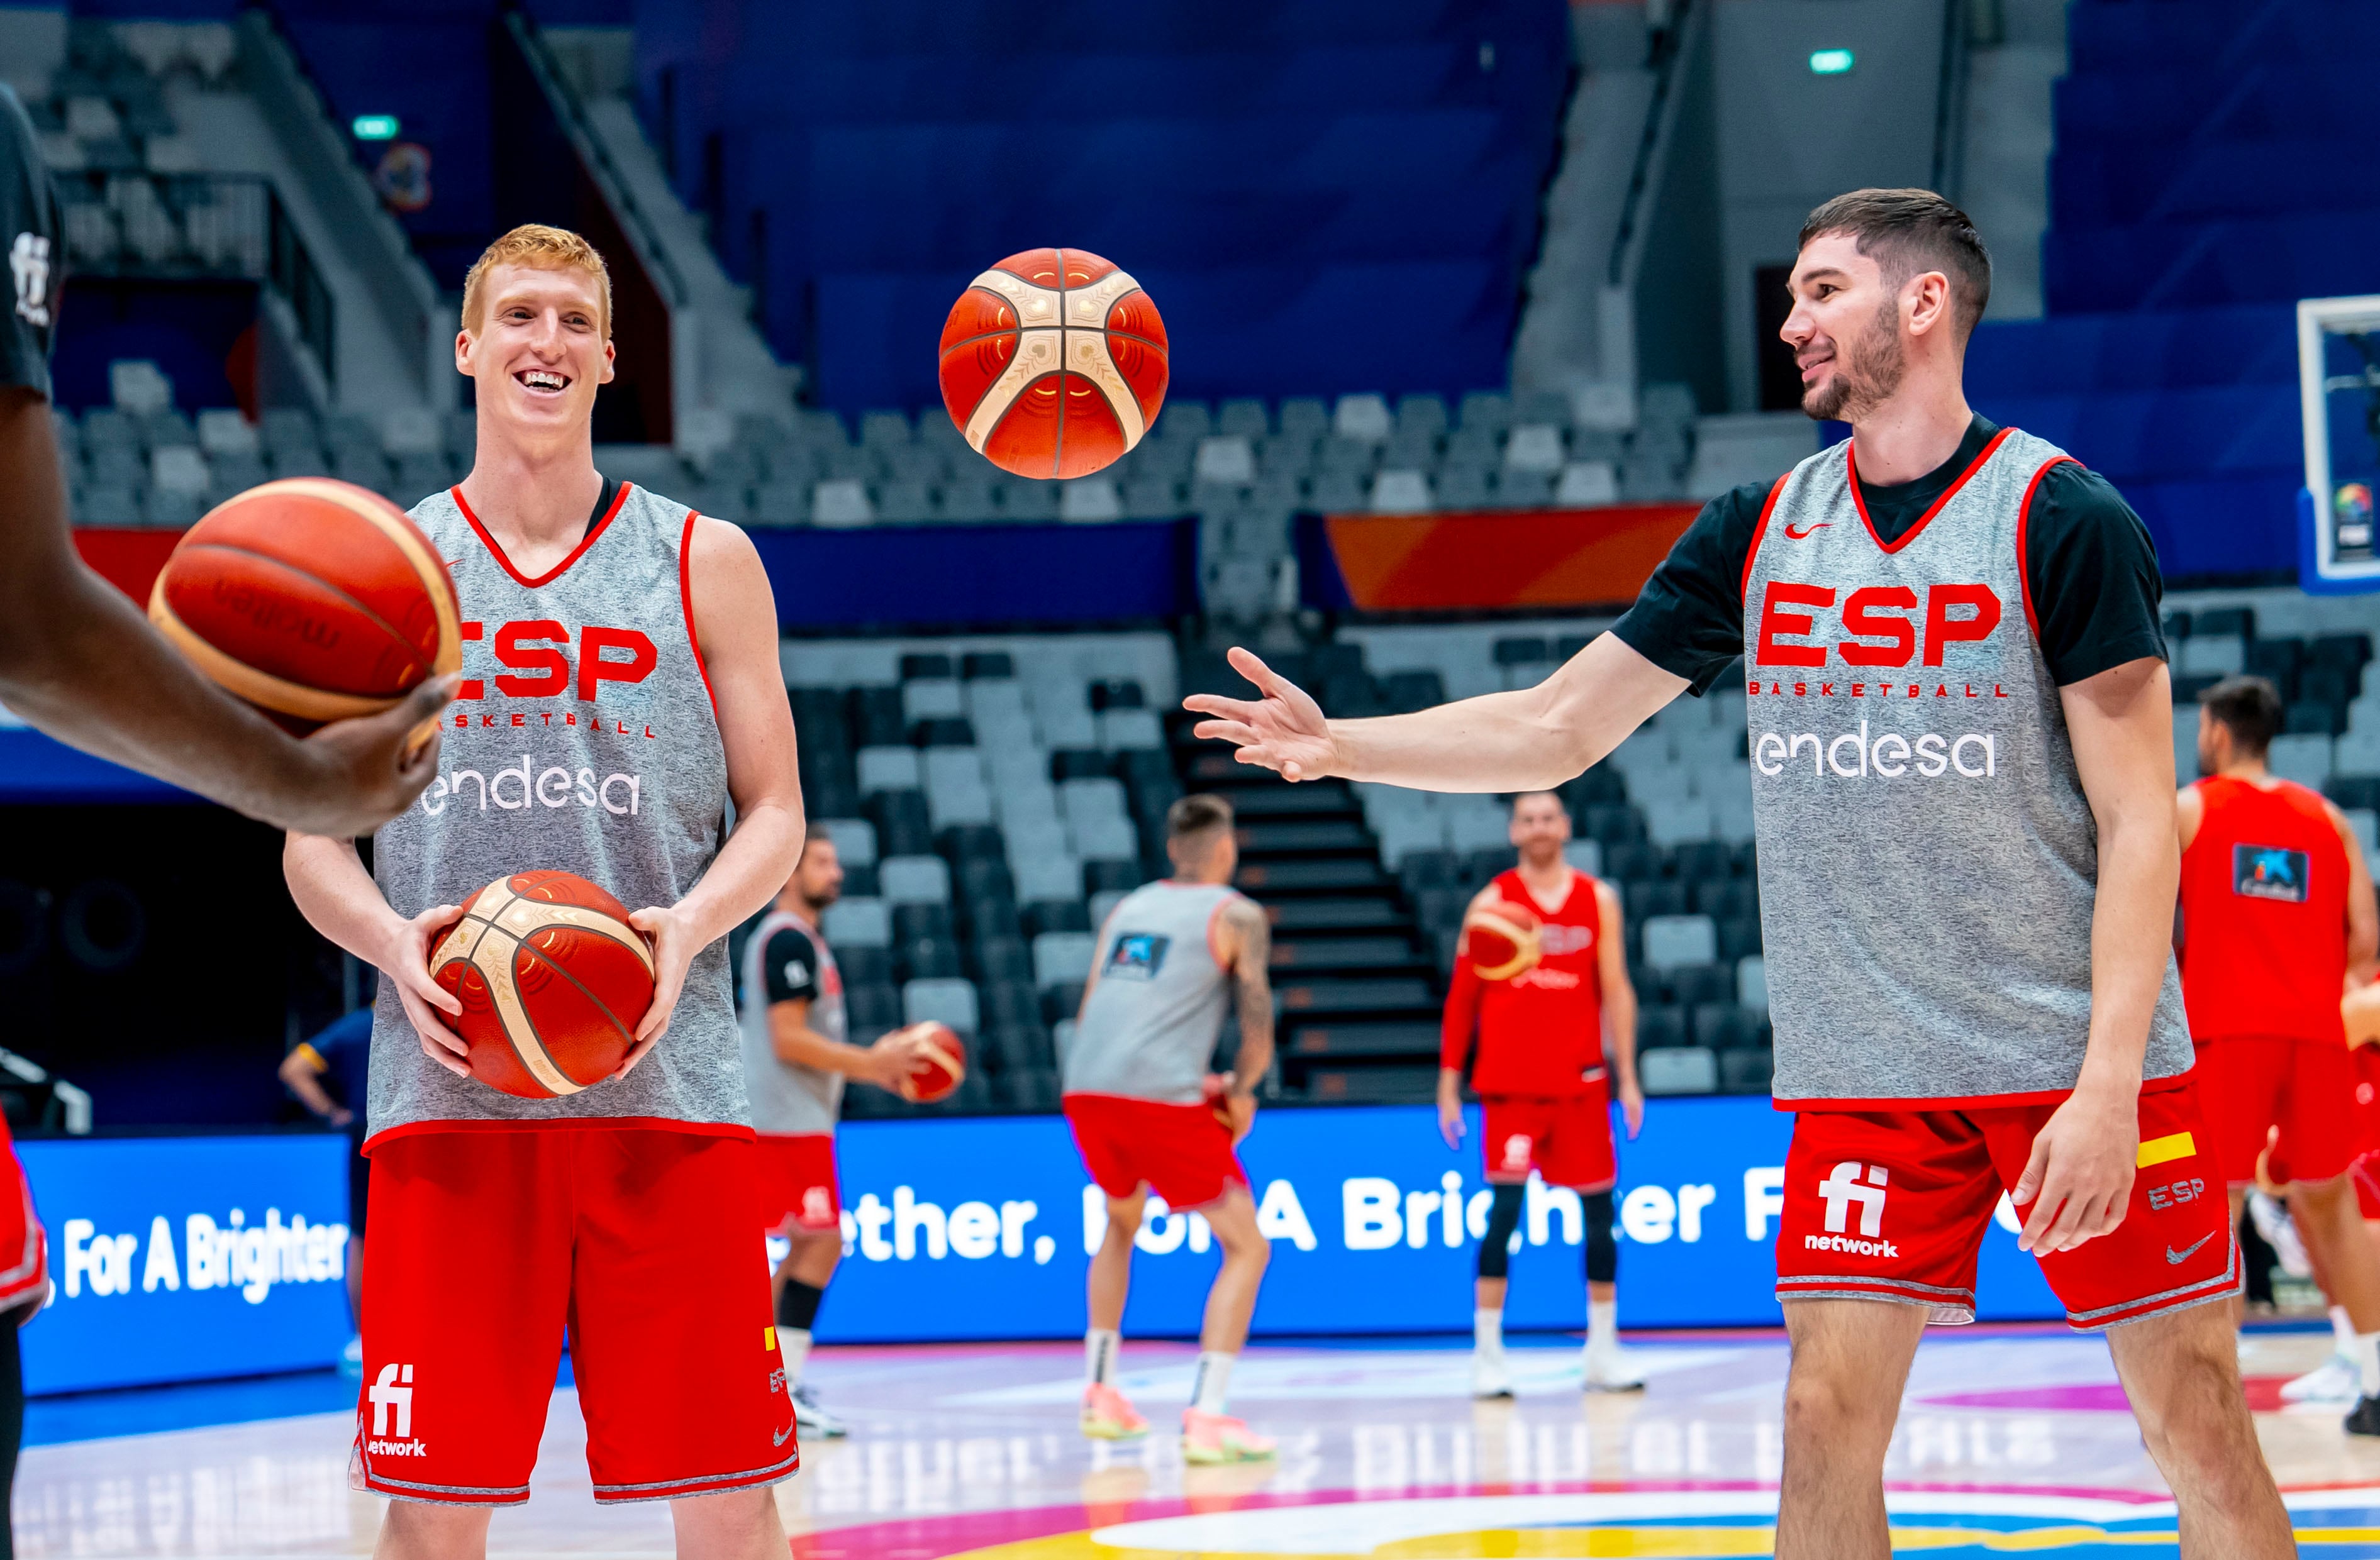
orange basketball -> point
(312, 600)
(943, 1071)
(1053, 363)
(1500, 939)
(553, 980)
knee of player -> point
(1825, 1411)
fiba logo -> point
(817, 1207)
(385, 1394)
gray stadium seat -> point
(941, 1001)
(1060, 957)
(1671, 940)
(888, 768)
(857, 922)
(913, 880)
(854, 838)
(1678, 1069)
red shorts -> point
(2305, 1088)
(1893, 1206)
(1181, 1152)
(798, 1183)
(2364, 1174)
(1566, 1140)
(24, 1246)
(487, 1245)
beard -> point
(1864, 379)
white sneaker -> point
(2272, 1222)
(812, 1420)
(1490, 1375)
(2335, 1380)
(1611, 1369)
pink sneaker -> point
(1108, 1415)
(1220, 1438)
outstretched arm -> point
(1531, 739)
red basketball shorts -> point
(487, 1246)
(797, 1187)
(2364, 1174)
(2305, 1088)
(1182, 1152)
(24, 1246)
(1566, 1140)
(1893, 1206)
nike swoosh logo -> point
(1815, 525)
(785, 1435)
(2178, 1258)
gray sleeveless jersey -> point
(788, 1098)
(1928, 861)
(1149, 1029)
(584, 738)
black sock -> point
(797, 1306)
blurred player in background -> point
(1551, 1036)
(1148, 1113)
(341, 1056)
(796, 1063)
(80, 661)
(623, 1211)
(2277, 914)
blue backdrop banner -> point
(956, 575)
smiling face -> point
(1540, 827)
(1845, 328)
(539, 351)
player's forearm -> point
(808, 1048)
(1619, 1021)
(2140, 872)
(1531, 739)
(310, 1092)
(1255, 1058)
(749, 871)
(339, 897)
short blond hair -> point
(546, 249)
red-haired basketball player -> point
(623, 689)
(1544, 1075)
(2276, 910)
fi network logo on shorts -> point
(384, 1395)
(1850, 1183)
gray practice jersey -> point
(787, 961)
(583, 739)
(1156, 1008)
(1929, 860)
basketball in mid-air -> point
(938, 1075)
(1053, 363)
(1501, 939)
(553, 980)
(313, 599)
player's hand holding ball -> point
(1282, 729)
(673, 946)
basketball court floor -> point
(2011, 1440)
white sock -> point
(1214, 1381)
(2367, 1362)
(2342, 1332)
(1602, 1325)
(1100, 1346)
(1488, 1331)
(794, 1344)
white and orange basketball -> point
(313, 599)
(553, 980)
(939, 1074)
(1053, 363)
(1501, 939)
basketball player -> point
(1149, 1116)
(1961, 755)
(796, 1060)
(1544, 1088)
(2277, 911)
(342, 1053)
(80, 661)
(623, 690)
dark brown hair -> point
(1196, 815)
(1908, 231)
(2250, 708)
(1521, 796)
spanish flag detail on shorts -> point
(769, 1334)
(2174, 1145)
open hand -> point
(1449, 1111)
(897, 1055)
(426, 1004)
(674, 951)
(1284, 730)
(1631, 1108)
(2079, 1179)
(369, 769)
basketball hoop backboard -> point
(2339, 379)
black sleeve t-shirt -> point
(29, 235)
(2089, 564)
(790, 965)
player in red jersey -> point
(1543, 1081)
(2276, 909)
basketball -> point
(553, 980)
(1501, 940)
(940, 1075)
(1053, 363)
(313, 599)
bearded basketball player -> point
(623, 689)
(1547, 1078)
(1961, 755)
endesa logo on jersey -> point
(1874, 626)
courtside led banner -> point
(179, 1259)
(1489, 559)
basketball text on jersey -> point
(1136, 956)
(2270, 872)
